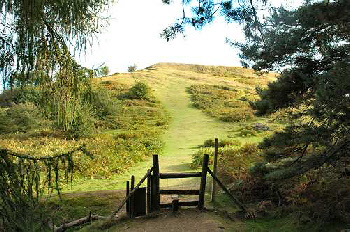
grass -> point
(77, 205)
(188, 127)
(135, 134)
(222, 102)
(145, 122)
(187, 130)
(276, 221)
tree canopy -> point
(39, 41)
(37, 36)
(199, 13)
(311, 44)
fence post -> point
(203, 181)
(155, 184)
(149, 208)
(213, 192)
(128, 201)
(132, 199)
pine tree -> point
(313, 43)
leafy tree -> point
(36, 46)
(132, 68)
(104, 71)
(313, 41)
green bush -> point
(222, 102)
(83, 123)
(222, 142)
(237, 115)
(247, 132)
(234, 160)
(16, 96)
(139, 91)
(22, 118)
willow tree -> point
(38, 42)
(23, 180)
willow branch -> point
(23, 156)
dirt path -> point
(183, 221)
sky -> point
(133, 37)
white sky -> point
(133, 38)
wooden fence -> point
(140, 201)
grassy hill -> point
(174, 110)
(189, 126)
(183, 107)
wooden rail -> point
(215, 166)
(185, 203)
(241, 206)
(155, 196)
(148, 199)
(132, 198)
(179, 175)
(179, 192)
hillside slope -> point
(189, 127)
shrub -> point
(247, 131)
(241, 157)
(139, 91)
(222, 102)
(222, 143)
(16, 96)
(105, 107)
(22, 118)
(132, 68)
(237, 115)
(83, 123)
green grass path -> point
(188, 128)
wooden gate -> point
(141, 201)
(153, 192)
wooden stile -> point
(179, 192)
(179, 175)
(147, 199)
